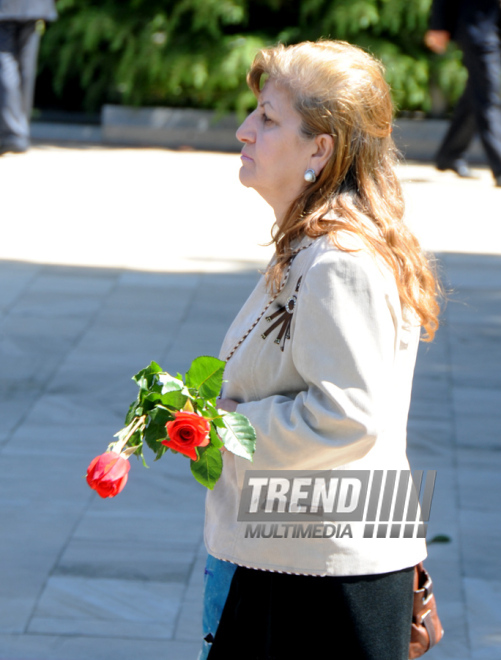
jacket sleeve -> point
(443, 15)
(343, 346)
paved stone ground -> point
(112, 257)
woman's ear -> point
(324, 150)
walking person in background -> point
(19, 41)
(475, 26)
(321, 360)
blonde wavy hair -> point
(340, 90)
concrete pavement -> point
(113, 257)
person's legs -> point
(29, 42)
(484, 69)
(217, 581)
(276, 616)
(460, 132)
(18, 51)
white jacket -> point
(337, 396)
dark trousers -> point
(276, 616)
(479, 108)
(18, 58)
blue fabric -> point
(217, 581)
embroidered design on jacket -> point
(283, 319)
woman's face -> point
(275, 155)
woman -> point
(320, 359)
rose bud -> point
(107, 474)
(186, 432)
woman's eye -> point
(266, 119)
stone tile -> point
(480, 489)
(75, 281)
(481, 543)
(107, 541)
(150, 300)
(483, 597)
(170, 561)
(15, 403)
(444, 564)
(454, 644)
(485, 457)
(160, 281)
(99, 384)
(478, 433)
(113, 608)
(69, 409)
(46, 329)
(15, 612)
(121, 340)
(78, 647)
(15, 278)
(40, 304)
(450, 649)
(477, 401)
(473, 271)
(113, 519)
(475, 308)
(189, 623)
(40, 479)
(476, 357)
(78, 440)
(32, 539)
(428, 387)
(430, 411)
(112, 369)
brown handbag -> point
(426, 630)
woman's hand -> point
(229, 405)
(437, 40)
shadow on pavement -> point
(81, 575)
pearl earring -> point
(310, 176)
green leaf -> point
(135, 410)
(238, 435)
(136, 439)
(209, 466)
(169, 383)
(156, 431)
(161, 451)
(174, 399)
(146, 376)
(212, 413)
(215, 439)
(206, 375)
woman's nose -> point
(245, 132)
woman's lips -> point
(244, 156)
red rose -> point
(186, 432)
(107, 474)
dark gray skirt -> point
(276, 616)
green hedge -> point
(196, 52)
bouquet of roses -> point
(180, 415)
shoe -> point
(459, 166)
(18, 146)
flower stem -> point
(132, 428)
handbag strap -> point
(426, 620)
